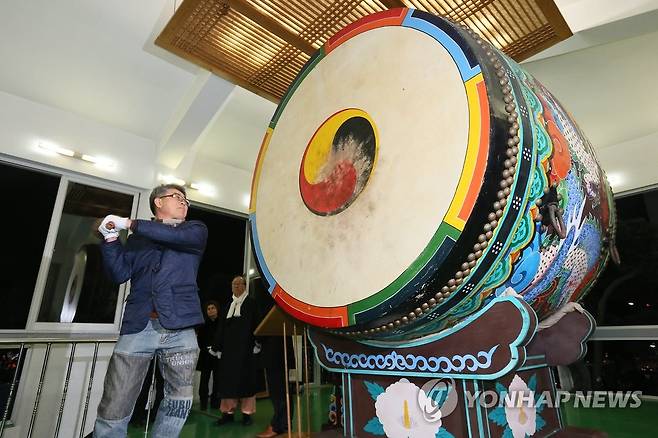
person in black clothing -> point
(207, 363)
(236, 347)
(274, 362)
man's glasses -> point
(178, 197)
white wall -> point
(632, 164)
(23, 124)
(608, 89)
(232, 185)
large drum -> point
(412, 173)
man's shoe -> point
(246, 420)
(226, 418)
(267, 433)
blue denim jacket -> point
(161, 261)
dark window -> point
(628, 294)
(77, 287)
(224, 255)
(25, 222)
(618, 366)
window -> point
(628, 294)
(618, 366)
(77, 288)
(224, 255)
(29, 201)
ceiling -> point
(262, 45)
(88, 57)
(97, 59)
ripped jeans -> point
(177, 352)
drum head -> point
(369, 171)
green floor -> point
(641, 422)
(200, 424)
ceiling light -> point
(49, 147)
(204, 188)
(252, 271)
(171, 179)
(615, 179)
(102, 162)
(630, 303)
(53, 149)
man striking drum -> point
(161, 259)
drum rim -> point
(341, 315)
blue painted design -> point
(468, 419)
(529, 319)
(497, 416)
(574, 205)
(508, 433)
(374, 389)
(532, 382)
(465, 69)
(349, 386)
(526, 268)
(501, 271)
(539, 422)
(539, 181)
(478, 410)
(411, 362)
(523, 233)
(443, 433)
(374, 426)
(259, 255)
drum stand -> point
(488, 376)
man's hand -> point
(217, 354)
(115, 222)
(257, 347)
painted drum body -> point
(408, 177)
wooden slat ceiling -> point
(261, 45)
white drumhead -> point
(411, 88)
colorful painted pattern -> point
(552, 272)
(533, 261)
(523, 255)
(546, 270)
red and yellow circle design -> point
(338, 161)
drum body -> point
(412, 173)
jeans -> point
(177, 352)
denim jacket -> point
(161, 261)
